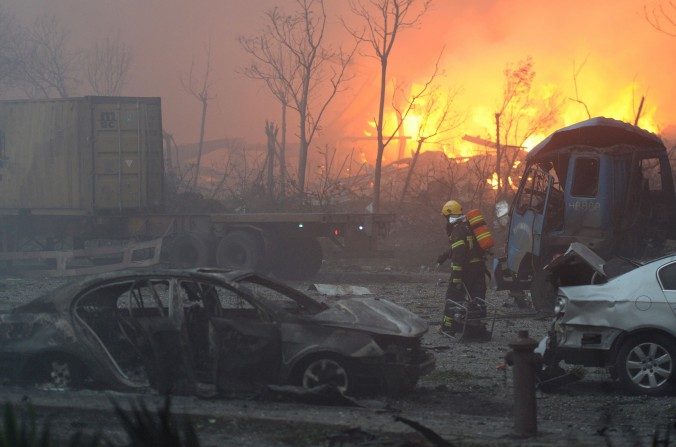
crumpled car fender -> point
(623, 305)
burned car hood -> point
(372, 315)
(579, 265)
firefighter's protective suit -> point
(467, 277)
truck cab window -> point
(540, 185)
(523, 201)
(651, 174)
(585, 177)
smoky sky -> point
(480, 38)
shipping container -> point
(85, 155)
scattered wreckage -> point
(619, 314)
(188, 331)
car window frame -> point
(659, 279)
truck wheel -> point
(646, 364)
(543, 292)
(185, 250)
(298, 258)
(240, 250)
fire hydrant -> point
(524, 361)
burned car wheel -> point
(326, 371)
(645, 364)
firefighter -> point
(467, 274)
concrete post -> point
(523, 359)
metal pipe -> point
(525, 409)
(119, 156)
(138, 152)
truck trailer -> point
(78, 171)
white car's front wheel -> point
(646, 364)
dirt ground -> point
(465, 399)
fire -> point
(623, 105)
(493, 181)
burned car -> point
(185, 331)
(619, 314)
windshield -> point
(281, 296)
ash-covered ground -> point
(467, 400)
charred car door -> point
(157, 335)
(244, 342)
(528, 217)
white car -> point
(619, 314)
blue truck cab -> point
(601, 182)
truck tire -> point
(297, 258)
(240, 250)
(543, 292)
(185, 250)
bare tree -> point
(519, 117)
(383, 20)
(198, 86)
(45, 64)
(299, 68)
(271, 130)
(662, 16)
(576, 73)
(273, 64)
(437, 122)
(107, 66)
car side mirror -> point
(502, 212)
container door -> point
(528, 217)
(119, 148)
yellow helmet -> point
(451, 208)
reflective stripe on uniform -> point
(456, 268)
(475, 260)
(475, 219)
(483, 236)
(457, 243)
(457, 281)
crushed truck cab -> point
(601, 182)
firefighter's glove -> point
(442, 258)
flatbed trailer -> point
(82, 177)
(286, 244)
